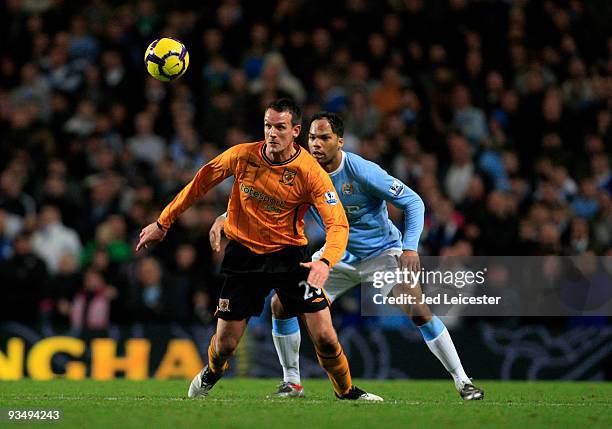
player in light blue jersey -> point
(375, 244)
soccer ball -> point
(166, 59)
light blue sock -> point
(441, 345)
(286, 337)
(285, 326)
(432, 329)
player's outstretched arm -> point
(388, 188)
(327, 203)
(206, 178)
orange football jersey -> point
(269, 200)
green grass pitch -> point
(242, 403)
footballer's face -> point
(324, 144)
(279, 131)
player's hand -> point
(319, 272)
(215, 233)
(150, 234)
(410, 261)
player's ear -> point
(340, 143)
(296, 131)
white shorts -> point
(343, 277)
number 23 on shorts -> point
(309, 291)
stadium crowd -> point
(498, 113)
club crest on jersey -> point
(396, 188)
(330, 198)
(288, 177)
(347, 189)
(223, 305)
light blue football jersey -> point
(364, 189)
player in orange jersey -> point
(276, 182)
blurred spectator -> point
(13, 199)
(33, 88)
(62, 289)
(586, 205)
(276, 76)
(499, 230)
(491, 163)
(602, 228)
(24, 275)
(145, 145)
(474, 207)
(601, 172)
(6, 243)
(91, 306)
(469, 119)
(110, 237)
(461, 168)
(102, 201)
(549, 240)
(148, 302)
(443, 227)
(56, 191)
(579, 240)
(362, 118)
(83, 122)
(387, 97)
(82, 44)
(62, 74)
(186, 296)
(577, 91)
(52, 239)
(326, 94)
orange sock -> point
(338, 370)
(217, 363)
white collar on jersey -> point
(341, 166)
